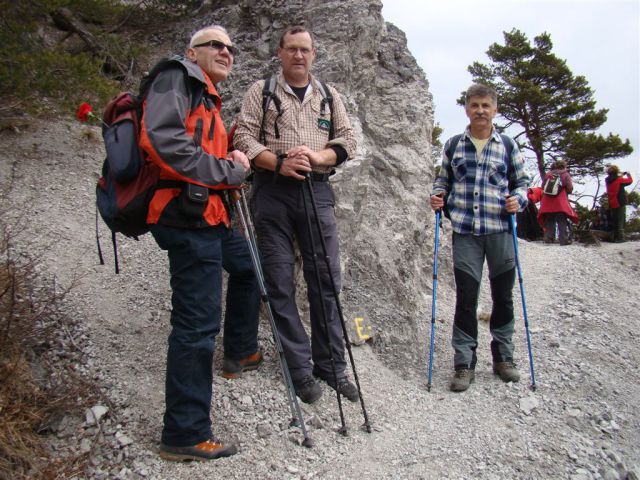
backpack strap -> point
(327, 99)
(508, 146)
(453, 143)
(269, 95)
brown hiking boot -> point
(207, 450)
(462, 379)
(507, 371)
(233, 368)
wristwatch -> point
(281, 157)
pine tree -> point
(555, 110)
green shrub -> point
(48, 67)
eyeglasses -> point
(217, 45)
(293, 50)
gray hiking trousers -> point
(469, 253)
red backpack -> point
(129, 179)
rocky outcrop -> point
(386, 228)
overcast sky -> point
(598, 39)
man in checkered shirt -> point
(483, 184)
(289, 144)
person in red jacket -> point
(617, 199)
(555, 210)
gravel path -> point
(582, 422)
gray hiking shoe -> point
(462, 379)
(507, 371)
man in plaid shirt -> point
(485, 184)
(295, 142)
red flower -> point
(84, 112)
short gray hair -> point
(199, 33)
(480, 90)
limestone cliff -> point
(385, 225)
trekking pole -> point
(249, 234)
(433, 297)
(524, 303)
(327, 261)
(323, 307)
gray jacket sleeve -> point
(172, 148)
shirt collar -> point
(494, 134)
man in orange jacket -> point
(183, 134)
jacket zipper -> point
(197, 135)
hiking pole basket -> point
(309, 183)
(242, 208)
(433, 297)
(524, 303)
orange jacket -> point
(183, 134)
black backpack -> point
(129, 180)
(453, 143)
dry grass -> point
(37, 384)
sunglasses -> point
(217, 45)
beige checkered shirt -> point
(298, 125)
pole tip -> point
(294, 422)
(307, 442)
(343, 431)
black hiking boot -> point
(345, 387)
(308, 390)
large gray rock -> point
(386, 227)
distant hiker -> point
(617, 200)
(298, 131)
(555, 209)
(485, 186)
(527, 225)
(183, 134)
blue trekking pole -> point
(524, 303)
(433, 298)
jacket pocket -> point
(193, 200)
(459, 167)
(497, 171)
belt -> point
(267, 176)
(320, 177)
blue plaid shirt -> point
(479, 184)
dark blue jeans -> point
(196, 259)
(242, 307)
